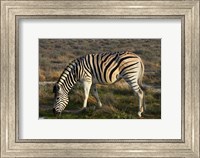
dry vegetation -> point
(118, 99)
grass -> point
(119, 101)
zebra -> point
(101, 68)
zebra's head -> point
(61, 99)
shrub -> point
(42, 75)
(55, 75)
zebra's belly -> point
(115, 78)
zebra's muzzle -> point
(56, 114)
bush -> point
(42, 76)
(55, 75)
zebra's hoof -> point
(100, 105)
(84, 110)
(140, 114)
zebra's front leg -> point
(95, 93)
(87, 86)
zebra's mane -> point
(71, 66)
(75, 61)
(117, 52)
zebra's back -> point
(107, 68)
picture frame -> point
(12, 11)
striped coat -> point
(102, 68)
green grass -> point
(118, 103)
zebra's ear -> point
(56, 88)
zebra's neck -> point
(68, 78)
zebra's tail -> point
(141, 75)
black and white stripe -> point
(102, 68)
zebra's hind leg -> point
(140, 94)
(95, 93)
(136, 88)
